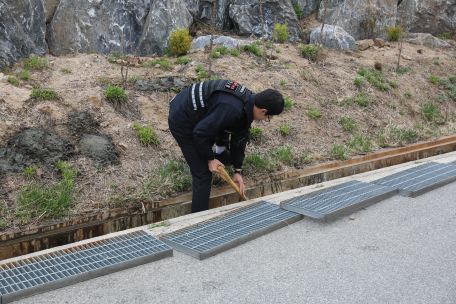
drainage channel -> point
(27, 241)
(65, 267)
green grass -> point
(310, 52)
(393, 84)
(112, 60)
(252, 48)
(183, 60)
(256, 133)
(35, 62)
(284, 155)
(166, 64)
(403, 70)
(146, 135)
(65, 70)
(215, 55)
(105, 80)
(13, 81)
(452, 78)
(48, 200)
(223, 50)
(159, 224)
(282, 81)
(115, 93)
(285, 128)
(360, 143)
(234, 52)
(256, 162)
(29, 172)
(116, 55)
(306, 158)
(408, 135)
(441, 97)
(359, 81)
(433, 79)
(363, 72)
(408, 94)
(339, 151)
(363, 101)
(430, 112)
(287, 103)
(349, 124)
(401, 112)
(383, 86)
(43, 94)
(268, 45)
(25, 75)
(278, 50)
(199, 67)
(313, 112)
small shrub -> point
(284, 155)
(25, 75)
(13, 81)
(359, 81)
(281, 32)
(349, 124)
(393, 84)
(183, 60)
(65, 70)
(115, 93)
(339, 151)
(434, 79)
(452, 78)
(452, 94)
(287, 103)
(408, 94)
(310, 52)
(393, 32)
(430, 112)
(29, 172)
(285, 128)
(180, 41)
(43, 94)
(234, 52)
(222, 50)
(256, 133)
(313, 112)
(377, 73)
(147, 136)
(35, 62)
(369, 22)
(363, 72)
(403, 70)
(116, 55)
(282, 81)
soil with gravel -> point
(41, 145)
(100, 148)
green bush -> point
(349, 124)
(298, 10)
(281, 32)
(287, 103)
(309, 52)
(166, 64)
(363, 100)
(392, 32)
(43, 94)
(146, 135)
(313, 112)
(256, 133)
(183, 60)
(284, 155)
(35, 62)
(360, 143)
(445, 35)
(383, 86)
(13, 81)
(199, 67)
(115, 93)
(180, 41)
(430, 112)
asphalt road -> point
(401, 250)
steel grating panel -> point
(65, 267)
(336, 200)
(213, 236)
(421, 179)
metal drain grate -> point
(421, 179)
(65, 267)
(334, 201)
(213, 236)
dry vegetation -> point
(330, 117)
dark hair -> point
(270, 100)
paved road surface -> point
(401, 250)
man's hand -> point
(237, 178)
(213, 165)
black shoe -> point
(224, 157)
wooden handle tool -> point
(227, 178)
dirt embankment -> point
(98, 138)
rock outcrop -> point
(224, 40)
(245, 15)
(352, 12)
(426, 40)
(164, 16)
(22, 30)
(428, 16)
(50, 7)
(333, 36)
(203, 9)
(307, 7)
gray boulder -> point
(352, 12)
(307, 7)
(203, 9)
(97, 25)
(164, 16)
(50, 7)
(426, 40)
(428, 16)
(224, 40)
(333, 36)
(246, 18)
(22, 30)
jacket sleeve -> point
(238, 154)
(217, 119)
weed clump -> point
(433, 79)
(287, 103)
(223, 50)
(65, 70)
(29, 172)
(430, 112)
(35, 62)
(306, 158)
(25, 75)
(313, 112)
(285, 128)
(393, 32)
(146, 135)
(408, 135)
(255, 162)
(310, 52)
(180, 41)
(339, 151)
(13, 81)
(298, 10)
(348, 123)
(403, 70)
(284, 155)
(256, 133)
(360, 143)
(252, 48)
(281, 32)
(115, 93)
(43, 94)
(359, 81)
(234, 52)
(452, 78)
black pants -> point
(182, 130)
